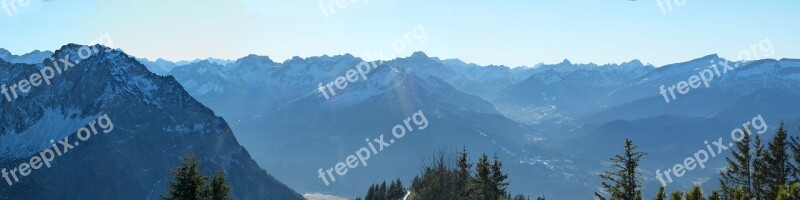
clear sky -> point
(520, 32)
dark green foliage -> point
(715, 195)
(451, 179)
(676, 195)
(218, 189)
(191, 184)
(623, 181)
(789, 192)
(661, 195)
(738, 173)
(777, 163)
(381, 192)
(189, 181)
(464, 176)
(695, 194)
(396, 190)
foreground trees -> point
(191, 184)
(454, 179)
(756, 170)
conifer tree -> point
(396, 190)
(760, 168)
(794, 147)
(191, 184)
(676, 195)
(499, 183)
(695, 194)
(777, 163)
(661, 195)
(738, 173)
(218, 189)
(464, 174)
(623, 182)
(189, 181)
(370, 193)
(715, 195)
(483, 180)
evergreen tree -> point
(695, 194)
(464, 175)
(777, 163)
(382, 191)
(396, 190)
(738, 173)
(661, 195)
(741, 194)
(218, 189)
(794, 147)
(499, 183)
(760, 170)
(189, 181)
(624, 182)
(638, 195)
(370, 193)
(715, 195)
(483, 185)
(676, 195)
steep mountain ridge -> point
(155, 120)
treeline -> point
(381, 192)
(756, 170)
(445, 178)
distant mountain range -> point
(555, 125)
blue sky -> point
(485, 32)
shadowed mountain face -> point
(554, 124)
(155, 122)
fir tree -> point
(396, 190)
(623, 183)
(661, 195)
(464, 175)
(218, 189)
(738, 173)
(499, 183)
(189, 181)
(483, 182)
(676, 195)
(760, 168)
(695, 194)
(777, 163)
(794, 147)
(715, 195)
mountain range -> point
(555, 125)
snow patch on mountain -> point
(49, 127)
